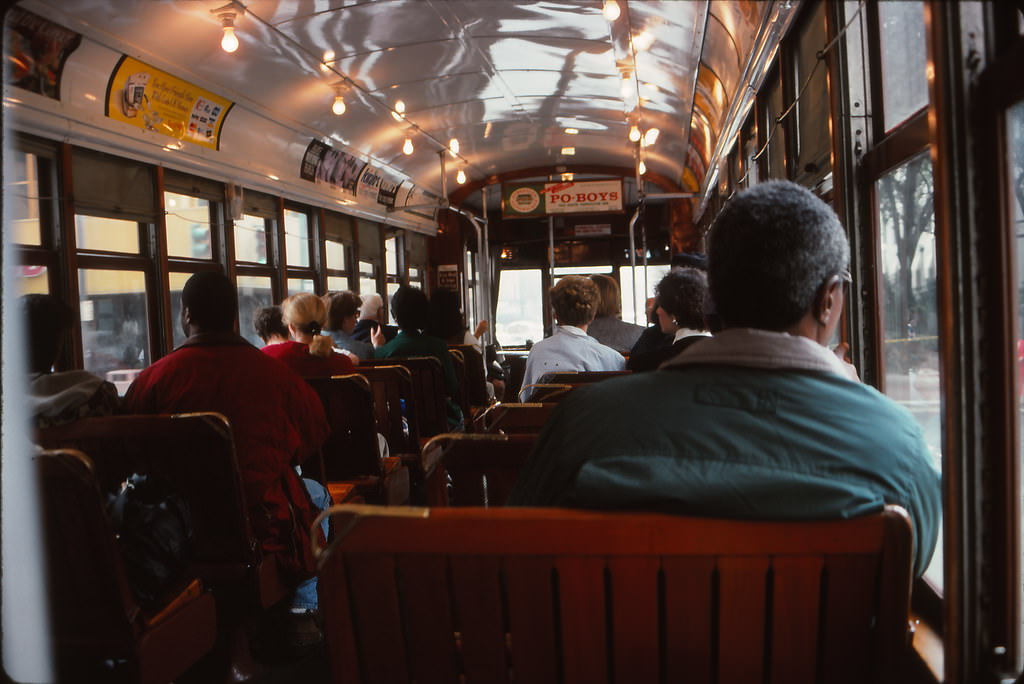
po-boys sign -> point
(524, 200)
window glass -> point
(33, 279)
(392, 289)
(337, 283)
(251, 239)
(188, 226)
(111, 235)
(21, 198)
(177, 281)
(336, 256)
(115, 331)
(297, 285)
(391, 256)
(812, 110)
(254, 292)
(904, 60)
(580, 270)
(520, 315)
(776, 153)
(1015, 162)
(296, 237)
(909, 306)
(644, 289)
(367, 277)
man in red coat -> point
(276, 418)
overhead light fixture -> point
(651, 136)
(567, 177)
(643, 41)
(641, 168)
(407, 147)
(453, 147)
(328, 59)
(627, 86)
(399, 112)
(572, 131)
(568, 151)
(339, 105)
(227, 14)
(611, 10)
(460, 177)
(634, 133)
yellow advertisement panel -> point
(153, 100)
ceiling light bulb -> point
(568, 151)
(651, 136)
(460, 178)
(634, 133)
(339, 105)
(641, 168)
(611, 10)
(407, 147)
(643, 41)
(572, 131)
(229, 43)
(453, 146)
(567, 177)
(399, 113)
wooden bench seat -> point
(553, 595)
(473, 469)
(511, 418)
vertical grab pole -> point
(632, 254)
(484, 275)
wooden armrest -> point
(175, 600)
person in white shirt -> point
(575, 300)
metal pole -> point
(632, 254)
(484, 275)
(643, 246)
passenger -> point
(370, 314)
(64, 397)
(411, 310)
(448, 323)
(276, 418)
(652, 338)
(342, 314)
(759, 421)
(680, 311)
(269, 325)
(608, 328)
(575, 300)
(308, 353)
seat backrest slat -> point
(689, 593)
(584, 635)
(351, 447)
(375, 605)
(850, 597)
(635, 620)
(391, 385)
(427, 605)
(532, 617)
(476, 374)
(478, 610)
(795, 608)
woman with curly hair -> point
(575, 300)
(308, 353)
(681, 297)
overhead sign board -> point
(323, 164)
(526, 200)
(146, 97)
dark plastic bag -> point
(154, 529)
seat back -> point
(552, 595)
(473, 469)
(580, 377)
(351, 449)
(475, 386)
(429, 398)
(391, 386)
(92, 607)
(515, 418)
(462, 398)
(195, 452)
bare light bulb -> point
(460, 177)
(651, 136)
(339, 105)
(634, 133)
(453, 146)
(407, 146)
(229, 43)
(399, 112)
(611, 10)
(641, 168)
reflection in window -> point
(911, 345)
(520, 315)
(115, 332)
(33, 279)
(188, 226)
(644, 289)
(111, 235)
(254, 292)
(904, 60)
(21, 198)
(177, 281)
(296, 236)
(1015, 164)
(251, 239)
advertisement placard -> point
(525, 200)
(323, 164)
(146, 97)
(36, 51)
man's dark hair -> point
(770, 250)
(446, 319)
(681, 293)
(268, 322)
(341, 305)
(48, 320)
(410, 308)
(211, 300)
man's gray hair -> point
(769, 251)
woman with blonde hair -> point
(308, 353)
(575, 300)
(608, 328)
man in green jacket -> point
(762, 420)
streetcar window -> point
(251, 239)
(107, 234)
(1015, 170)
(188, 226)
(254, 292)
(114, 319)
(634, 306)
(33, 280)
(909, 304)
(391, 256)
(296, 238)
(520, 313)
(336, 256)
(21, 196)
(177, 283)
(812, 110)
(904, 60)
(297, 285)
(367, 277)
(337, 283)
